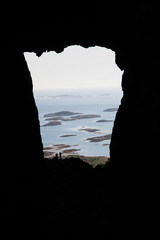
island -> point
(67, 96)
(66, 149)
(52, 123)
(70, 151)
(105, 144)
(99, 139)
(90, 130)
(85, 116)
(68, 135)
(55, 119)
(60, 114)
(58, 147)
(69, 118)
(102, 121)
(110, 110)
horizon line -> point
(83, 88)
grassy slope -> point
(92, 160)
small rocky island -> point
(73, 118)
(65, 149)
(86, 116)
(110, 110)
(99, 139)
(102, 121)
(68, 135)
(90, 130)
(58, 117)
(61, 114)
(55, 119)
(52, 123)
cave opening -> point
(77, 93)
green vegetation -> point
(92, 160)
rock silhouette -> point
(46, 199)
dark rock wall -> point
(21, 139)
(130, 29)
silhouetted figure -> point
(60, 156)
(56, 157)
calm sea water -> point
(83, 101)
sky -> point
(74, 68)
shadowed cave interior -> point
(44, 199)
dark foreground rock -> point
(69, 200)
(77, 201)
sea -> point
(85, 101)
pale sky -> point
(75, 67)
